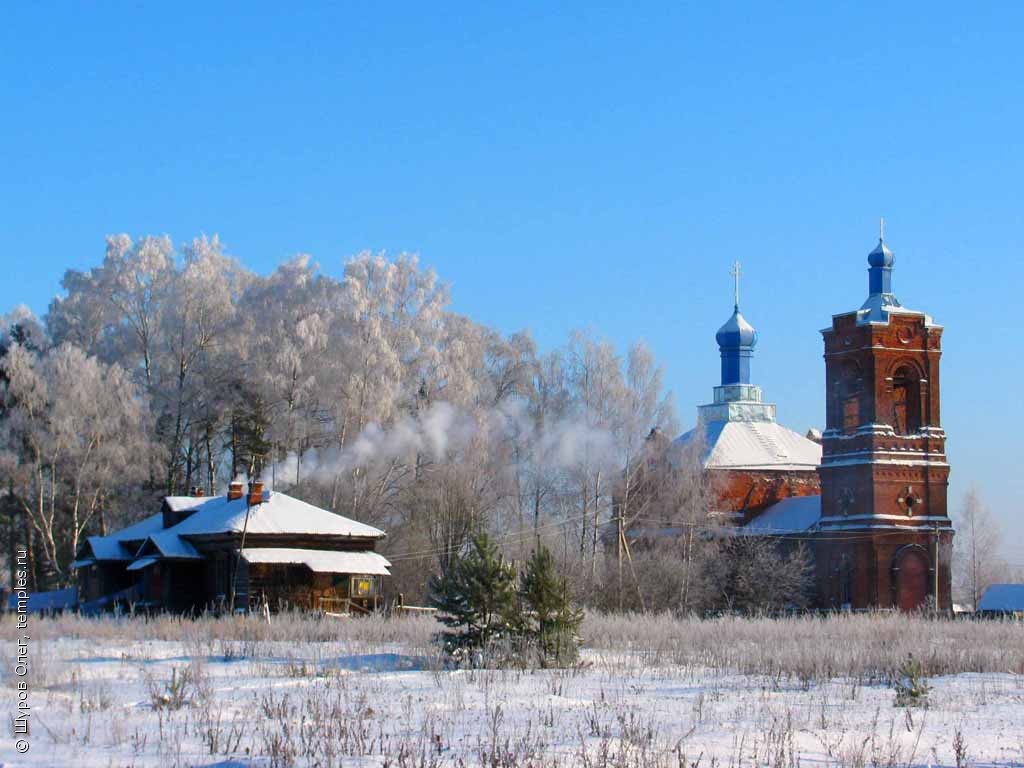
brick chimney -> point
(255, 493)
(234, 490)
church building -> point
(869, 499)
(754, 462)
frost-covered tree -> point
(586, 439)
(164, 318)
(763, 575)
(191, 336)
(643, 416)
(366, 394)
(284, 325)
(386, 340)
(76, 431)
(978, 562)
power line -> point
(789, 535)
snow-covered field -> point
(650, 692)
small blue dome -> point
(881, 256)
(736, 332)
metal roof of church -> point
(738, 429)
(796, 514)
(754, 445)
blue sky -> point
(591, 166)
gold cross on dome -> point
(735, 272)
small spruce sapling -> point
(550, 619)
(911, 684)
(476, 599)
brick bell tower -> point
(885, 535)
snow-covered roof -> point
(139, 530)
(54, 600)
(1003, 598)
(754, 445)
(322, 561)
(279, 513)
(793, 515)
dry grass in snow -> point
(651, 691)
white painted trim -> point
(885, 462)
(926, 518)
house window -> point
(362, 586)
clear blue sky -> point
(590, 166)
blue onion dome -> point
(736, 332)
(881, 256)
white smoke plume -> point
(443, 427)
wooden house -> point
(246, 549)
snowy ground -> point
(357, 703)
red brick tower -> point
(885, 536)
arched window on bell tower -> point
(906, 400)
(849, 393)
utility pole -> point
(621, 536)
(241, 546)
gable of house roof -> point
(169, 545)
(119, 544)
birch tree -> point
(595, 380)
(284, 327)
(977, 560)
(195, 316)
(77, 430)
(386, 336)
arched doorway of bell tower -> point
(910, 577)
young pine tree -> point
(550, 618)
(475, 598)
